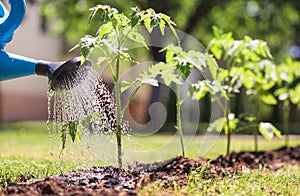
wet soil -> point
(112, 181)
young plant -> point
(233, 56)
(288, 91)
(180, 63)
(231, 52)
(258, 78)
(115, 29)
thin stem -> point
(227, 107)
(227, 112)
(255, 131)
(178, 116)
(286, 115)
(118, 111)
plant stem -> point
(286, 115)
(255, 131)
(119, 116)
(178, 118)
(227, 112)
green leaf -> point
(147, 23)
(104, 30)
(137, 37)
(87, 45)
(166, 71)
(212, 65)
(295, 95)
(72, 130)
(79, 131)
(233, 122)
(249, 79)
(216, 51)
(268, 130)
(170, 23)
(126, 85)
(162, 25)
(63, 135)
(135, 17)
(217, 125)
(198, 90)
(217, 31)
(268, 99)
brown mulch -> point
(112, 181)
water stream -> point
(84, 105)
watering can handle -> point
(9, 22)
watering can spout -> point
(15, 66)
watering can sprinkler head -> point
(61, 72)
(14, 66)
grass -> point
(256, 182)
(28, 153)
(17, 169)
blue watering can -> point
(15, 66)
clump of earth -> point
(114, 181)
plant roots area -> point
(168, 175)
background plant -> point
(235, 57)
(180, 63)
(258, 78)
(288, 90)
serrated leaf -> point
(126, 85)
(104, 30)
(135, 17)
(216, 51)
(170, 77)
(166, 71)
(162, 26)
(170, 23)
(147, 23)
(137, 37)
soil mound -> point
(112, 181)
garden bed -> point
(111, 181)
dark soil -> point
(111, 181)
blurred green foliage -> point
(275, 21)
